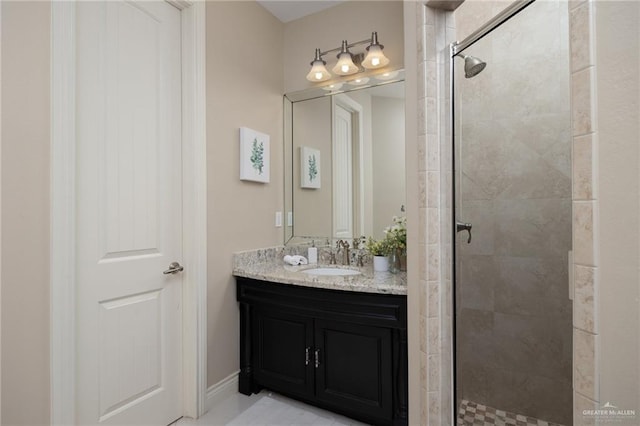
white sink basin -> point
(331, 271)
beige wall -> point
(244, 88)
(618, 108)
(25, 212)
(312, 128)
(353, 21)
(389, 192)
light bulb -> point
(345, 65)
(375, 58)
(318, 71)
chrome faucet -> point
(344, 245)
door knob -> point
(174, 268)
(464, 227)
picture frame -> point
(310, 176)
(254, 155)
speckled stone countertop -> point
(267, 265)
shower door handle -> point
(464, 227)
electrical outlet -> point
(278, 219)
(289, 218)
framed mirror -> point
(344, 160)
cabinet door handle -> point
(306, 356)
(317, 357)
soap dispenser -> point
(312, 253)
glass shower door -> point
(513, 207)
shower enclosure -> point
(512, 211)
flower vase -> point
(394, 262)
(402, 259)
(380, 263)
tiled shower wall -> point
(436, 29)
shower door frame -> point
(454, 49)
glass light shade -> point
(345, 65)
(375, 58)
(318, 72)
(359, 81)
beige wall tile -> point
(423, 334)
(431, 76)
(422, 231)
(433, 253)
(434, 408)
(433, 371)
(423, 298)
(422, 153)
(433, 226)
(424, 366)
(433, 335)
(585, 294)
(433, 299)
(580, 405)
(582, 107)
(576, 3)
(583, 232)
(422, 83)
(433, 152)
(580, 37)
(431, 108)
(430, 51)
(584, 364)
(424, 264)
(583, 170)
(433, 189)
(422, 189)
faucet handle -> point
(332, 257)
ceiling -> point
(290, 10)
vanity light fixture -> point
(345, 66)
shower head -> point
(472, 66)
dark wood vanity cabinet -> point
(344, 351)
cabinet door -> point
(354, 367)
(283, 349)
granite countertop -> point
(267, 265)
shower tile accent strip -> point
(474, 414)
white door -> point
(129, 213)
(342, 173)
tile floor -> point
(267, 408)
(474, 414)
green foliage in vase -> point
(313, 167)
(257, 155)
(378, 247)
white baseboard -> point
(221, 390)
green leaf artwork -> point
(313, 168)
(257, 155)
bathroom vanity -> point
(315, 339)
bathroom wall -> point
(312, 128)
(617, 189)
(514, 344)
(351, 20)
(25, 130)
(389, 192)
(244, 88)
